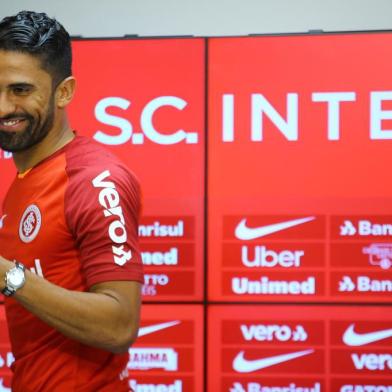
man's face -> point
(27, 101)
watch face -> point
(15, 277)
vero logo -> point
(2, 221)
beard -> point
(36, 130)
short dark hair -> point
(42, 37)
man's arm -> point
(106, 317)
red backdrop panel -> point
(144, 100)
(293, 347)
(299, 142)
(168, 353)
(169, 350)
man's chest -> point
(33, 228)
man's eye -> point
(21, 90)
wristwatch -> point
(14, 279)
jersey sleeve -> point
(102, 206)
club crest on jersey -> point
(30, 223)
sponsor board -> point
(290, 185)
(251, 347)
(147, 116)
(168, 354)
(305, 268)
(168, 254)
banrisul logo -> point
(109, 199)
(30, 223)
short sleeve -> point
(102, 206)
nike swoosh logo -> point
(156, 327)
(2, 221)
(243, 232)
(352, 338)
(242, 365)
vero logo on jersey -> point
(353, 338)
(2, 387)
(244, 232)
(109, 199)
(243, 365)
(2, 221)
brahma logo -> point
(153, 358)
(109, 199)
(30, 223)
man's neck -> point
(25, 160)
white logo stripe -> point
(2, 221)
(243, 232)
(156, 327)
(352, 338)
(242, 365)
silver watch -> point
(14, 279)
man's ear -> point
(65, 91)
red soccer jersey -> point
(73, 219)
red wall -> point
(267, 217)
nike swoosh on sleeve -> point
(156, 327)
(243, 232)
(352, 338)
(242, 365)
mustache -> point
(16, 116)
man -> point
(70, 268)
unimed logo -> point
(148, 128)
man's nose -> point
(7, 105)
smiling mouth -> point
(11, 124)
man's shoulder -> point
(87, 159)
